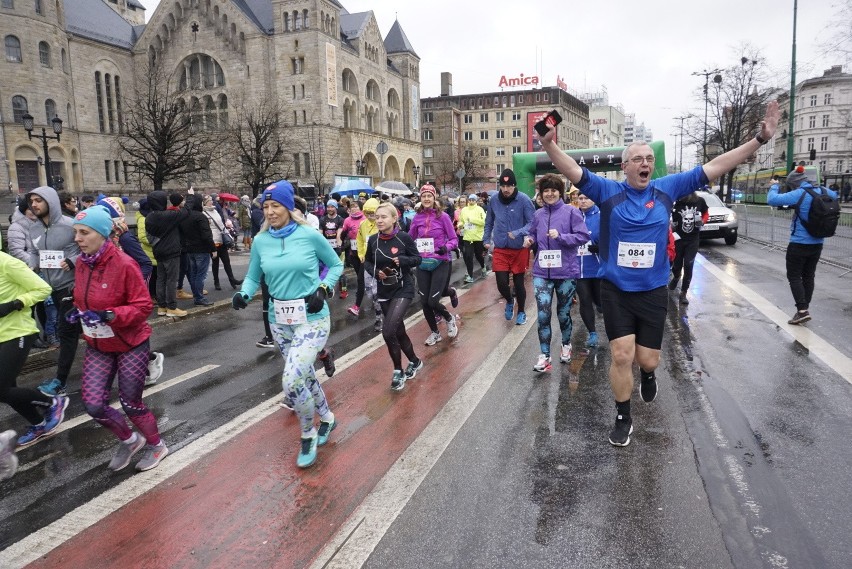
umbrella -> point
(394, 187)
(351, 188)
(225, 197)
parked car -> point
(722, 223)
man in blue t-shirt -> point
(635, 268)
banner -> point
(414, 91)
(331, 73)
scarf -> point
(391, 235)
(285, 231)
(92, 260)
(504, 200)
(358, 215)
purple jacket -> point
(425, 224)
(568, 221)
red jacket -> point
(115, 284)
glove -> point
(442, 250)
(594, 249)
(316, 301)
(239, 301)
(8, 308)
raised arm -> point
(732, 158)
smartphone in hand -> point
(553, 118)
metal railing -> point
(771, 227)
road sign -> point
(382, 147)
(461, 173)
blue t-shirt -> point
(634, 229)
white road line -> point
(808, 338)
(356, 539)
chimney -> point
(446, 84)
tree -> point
(474, 161)
(323, 148)
(259, 142)
(161, 140)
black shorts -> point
(641, 313)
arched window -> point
(44, 53)
(286, 21)
(223, 111)
(118, 113)
(68, 114)
(109, 106)
(49, 110)
(297, 20)
(305, 19)
(64, 59)
(210, 117)
(13, 49)
(19, 108)
(100, 99)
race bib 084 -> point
(636, 255)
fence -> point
(771, 227)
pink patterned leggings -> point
(99, 369)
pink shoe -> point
(354, 310)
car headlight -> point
(732, 216)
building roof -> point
(135, 4)
(397, 42)
(94, 20)
(259, 12)
(353, 25)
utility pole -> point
(680, 160)
(716, 79)
(792, 95)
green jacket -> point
(472, 220)
(18, 281)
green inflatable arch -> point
(528, 165)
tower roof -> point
(397, 42)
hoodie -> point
(161, 226)
(57, 235)
(195, 229)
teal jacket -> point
(291, 266)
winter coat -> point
(18, 236)
(58, 235)
(162, 226)
(472, 220)
(437, 225)
(215, 223)
(195, 229)
(590, 263)
(514, 217)
(142, 235)
(18, 282)
(798, 233)
(572, 232)
(115, 283)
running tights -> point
(358, 267)
(503, 287)
(431, 285)
(544, 289)
(394, 333)
(474, 249)
(589, 292)
(29, 403)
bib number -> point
(468, 227)
(636, 255)
(353, 244)
(50, 259)
(333, 243)
(290, 312)
(425, 245)
(99, 330)
(551, 259)
(583, 250)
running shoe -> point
(155, 368)
(683, 299)
(543, 363)
(412, 369)
(592, 342)
(8, 458)
(648, 386)
(265, 342)
(125, 452)
(565, 356)
(343, 294)
(307, 453)
(354, 310)
(286, 403)
(378, 325)
(56, 414)
(161, 312)
(433, 339)
(452, 327)
(324, 431)
(52, 387)
(620, 435)
(800, 317)
(398, 380)
(33, 433)
(328, 362)
(152, 456)
(485, 273)
(468, 279)
(510, 309)
(522, 319)
(454, 297)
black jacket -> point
(163, 226)
(380, 254)
(195, 229)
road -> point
(740, 462)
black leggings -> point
(226, 262)
(589, 291)
(502, 278)
(25, 400)
(358, 267)
(685, 252)
(471, 249)
(69, 334)
(264, 291)
(393, 330)
(432, 285)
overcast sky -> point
(643, 52)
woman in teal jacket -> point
(287, 254)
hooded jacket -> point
(572, 232)
(438, 226)
(57, 235)
(472, 220)
(798, 233)
(18, 282)
(195, 229)
(504, 218)
(18, 236)
(162, 226)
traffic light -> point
(813, 154)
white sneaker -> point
(543, 363)
(433, 339)
(155, 368)
(452, 327)
(565, 357)
(8, 458)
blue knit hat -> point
(97, 217)
(281, 192)
(331, 203)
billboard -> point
(533, 143)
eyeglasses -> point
(639, 159)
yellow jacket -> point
(367, 228)
(18, 281)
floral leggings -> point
(544, 289)
(299, 344)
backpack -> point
(823, 215)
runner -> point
(688, 215)
(112, 304)
(391, 255)
(557, 230)
(472, 220)
(367, 228)
(589, 283)
(348, 237)
(433, 232)
(287, 253)
(330, 225)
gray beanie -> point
(796, 177)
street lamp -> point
(57, 129)
(358, 165)
(717, 79)
(416, 170)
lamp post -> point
(57, 128)
(358, 165)
(716, 79)
(416, 170)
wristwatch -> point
(326, 288)
(760, 139)
(109, 315)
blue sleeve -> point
(773, 198)
(130, 245)
(529, 212)
(251, 282)
(489, 223)
(682, 183)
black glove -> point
(8, 308)
(238, 301)
(316, 301)
(594, 249)
(442, 250)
